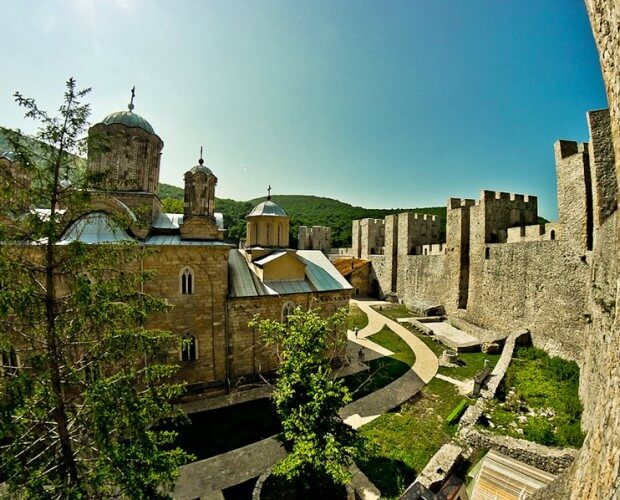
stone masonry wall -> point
(247, 356)
(596, 472)
(540, 286)
(422, 278)
(201, 313)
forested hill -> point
(302, 209)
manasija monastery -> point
(216, 288)
(494, 269)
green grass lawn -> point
(357, 318)
(384, 370)
(473, 362)
(538, 400)
(394, 311)
(402, 442)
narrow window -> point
(187, 281)
(287, 309)
(9, 363)
(552, 234)
(487, 253)
(189, 348)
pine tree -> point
(84, 380)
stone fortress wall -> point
(499, 268)
(595, 474)
(315, 238)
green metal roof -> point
(201, 168)
(129, 119)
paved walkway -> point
(425, 367)
(203, 477)
(463, 386)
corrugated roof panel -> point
(501, 477)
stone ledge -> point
(552, 460)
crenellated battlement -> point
(454, 203)
(487, 195)
(565, 149)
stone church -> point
(216, 288)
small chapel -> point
(215, 287)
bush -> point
(563, 370)
(569, 434)
(539, 430)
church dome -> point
(128, 118)
(201, 168)
(268, 207)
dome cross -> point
(133, 94)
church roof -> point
(268, 207)
(320, 275)
(201, 168)
(128, 118)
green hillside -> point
(303, 210)
(317, 211)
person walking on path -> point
(356, 331)
(360, 356)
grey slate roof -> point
(268, 207)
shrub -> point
(570, 434)
(563, 370)
(540, 430)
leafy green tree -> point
(84, 381)
(320, 445)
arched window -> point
(269, 241)
(189, 348)
(287, 309)
(552, 234)
(279, 242)
(10, 363)
(186, 281)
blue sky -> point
(381, 104)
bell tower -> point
(199, 204)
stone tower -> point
(199, 204)
(314, 238)
(267, 225)
(126, 151)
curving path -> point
(400, 390)
(204, 478)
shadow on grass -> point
(212, 432)
(381, 372)
(391, 476)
